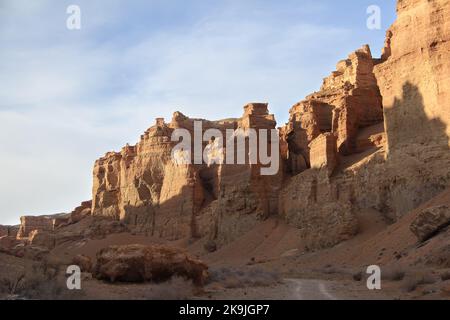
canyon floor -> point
(361, 179)
(270, 262)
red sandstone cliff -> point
(415, 77)
(142, 186)
(409, 160)
(376, 136)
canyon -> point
(372, 142)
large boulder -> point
(140, 263)
(84, 262)
(430, 221)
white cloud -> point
(67, 98)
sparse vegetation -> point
(329, 269)
(175, 289)
(392, 274)
(358, 276)
(241, 278)
(38, 281)
(412, 283)
(210, 246)
(445, 276)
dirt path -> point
(310, 290)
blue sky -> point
(67, 97)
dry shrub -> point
(358, 276)
(175, 289)
(392, 274)
(412, 283)
(445, 276)
(9, 285)
(241, 278)
(37, 281)
(210, 246)
(329, 269)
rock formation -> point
(409, 161)
(414, 76)
(346, 148)
(348, 101)
(43, 239)
(8, 231)
(374, 137)
(414, 79)
(78, 214)
(142, 186)
(84, 262)
(31, 226)
(4, 231)
(344, 118)
(323, 152)
(139, 263)
(28, 224)
(430, 221)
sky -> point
(69, 96)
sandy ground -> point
(304, 289)
(276, 248)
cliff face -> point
(410, 83)
(348, 101)
(344, 118)
(4, 231)
(132, 177)
(374, 137)
(29, 223)
(415, 77)
(142, 186)
(8, 231)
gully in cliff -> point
(242, 146)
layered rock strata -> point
(142, 186)
(374, 137)
(348, 101)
